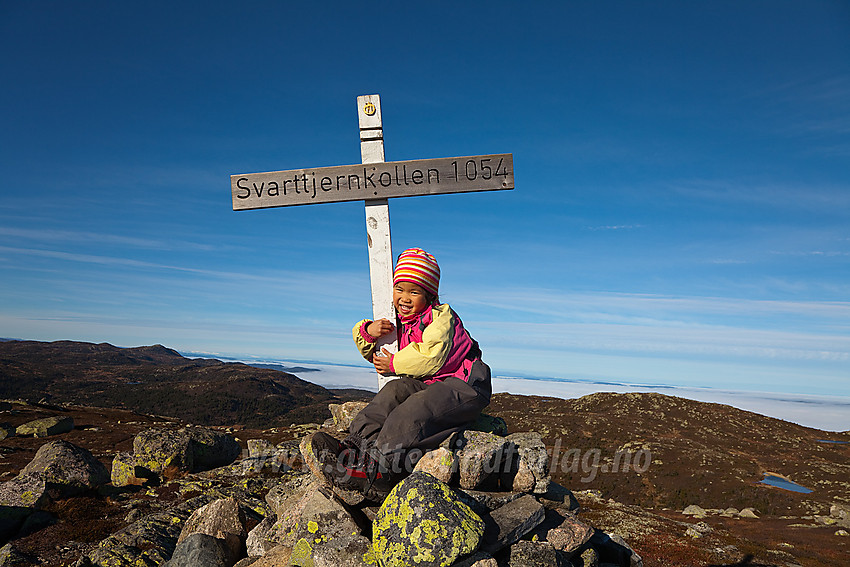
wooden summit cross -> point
(374, 181)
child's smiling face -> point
(409, 299)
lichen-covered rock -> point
(258, 542)
(310, 522)
(534, 554)
(211, 448)
(614, 549)
(422, 522)
(490, 424)
(222, 519)
(189, 450)
(441, 463)
(150, 541)
(259, 448)
(483, 502)
(481, 455)
(200, 550)
(7, 430)
(347, 551)
(24, 491)
(840, 511)
(157, 449)
(10, 556)
(589, 558)
(694, 510)
(344, 414)
(310, 459)
(506, 525)
(532, 474)
(289, 489)
(67, 468)
(125, 471)
(46, 426)
(564, 530)
(276, 557)
(556, 496)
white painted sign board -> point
(374, 181)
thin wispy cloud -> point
(832, 199)
(616, 227)
(101, 238)
(543, 301)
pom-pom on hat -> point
(417, 266)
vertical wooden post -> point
(377, 224)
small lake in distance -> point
(783, 483)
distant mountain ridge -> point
(158, 380)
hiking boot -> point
(364, 474)
(320, 452)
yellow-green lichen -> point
(312, 527)
(418, 535)
(302, 554)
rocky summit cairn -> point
(481, 499)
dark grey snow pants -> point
(408, 417)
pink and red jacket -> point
(432, 345)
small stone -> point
(694, 510)
(257, 542)
(506, 525)
(6, 431)
(259, 448)
(532, 554)
(570, 535)
(481, 456)
(344, 414)
(589, 558)
(842, 533)
(352, 550)
(748, 513)
(556, 496)
(23, 491)
(691, 532)
(276, 557)
(222, 519)
(532, 468)
(441, 463)
(200, 549)
(840, 511)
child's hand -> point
(380, 328)
(383, 364)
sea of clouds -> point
(829, 413)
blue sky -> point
(681, 212)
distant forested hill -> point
(159, 381)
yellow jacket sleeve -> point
(425, 359)
(365, 347)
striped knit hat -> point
(417, 266)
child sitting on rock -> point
(442, 387)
